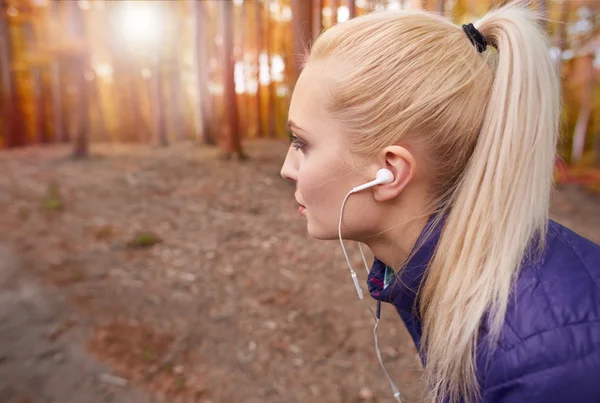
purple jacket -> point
(549, 348)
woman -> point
(503, 303)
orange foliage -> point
(586, 176)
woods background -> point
(219, 71)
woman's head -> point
(469, 135)
(406, 91)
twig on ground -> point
(176, 348)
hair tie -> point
(476, 38)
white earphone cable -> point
(352, 272)
(360, 295)
(362, 254)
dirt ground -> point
(167, 275)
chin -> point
(323, 234)
(330, 232)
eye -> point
(296, 142)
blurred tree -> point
(12, 108)
(258, 17)
(116, 92)
(271, 122)
(302, 30)
(39, 116)
(584, 47)
(76, 33)
(334, 11)
(581, 128)
(232, 144)
(55, 73)
(441, 4)
(160, 128)
(561, 38)
(351, 8)
(6, 83)
(95, 23)
(203, 109)
(317, 17)
(175, 98)
(240, 48)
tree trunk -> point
(15, 132)
(203, 111)
(57, 113)
(82, 140)
(160, 130)
(76, 30)
(232, 143)
(352, 7)
(243, 97)
(260, 130)
(562, 27)
(96, 106)
(334, 11)
(135, 116)
(5, 57)
(176, 114)
(6, 84)
(317, 15)
(36, 86)
(95, 99)
(584, 113)
(271, 105)
(302, 30)
(580, 131)
(441, 6)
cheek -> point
(310, 184)
(322, 184)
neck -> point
(394, 242)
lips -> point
(301, 207)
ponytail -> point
(498, 211)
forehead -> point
(310, 98)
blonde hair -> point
(489, 123)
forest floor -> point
(154, 275)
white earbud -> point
(383, 176)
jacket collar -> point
(402, 288)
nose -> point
(289, 169)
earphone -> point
(383, 176)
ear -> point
(402, 163)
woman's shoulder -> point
(562, 288)
(551, 336)
(563, 242)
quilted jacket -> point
(549, 348)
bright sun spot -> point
(140, 23)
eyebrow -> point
(293, 125)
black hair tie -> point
(476, 38)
